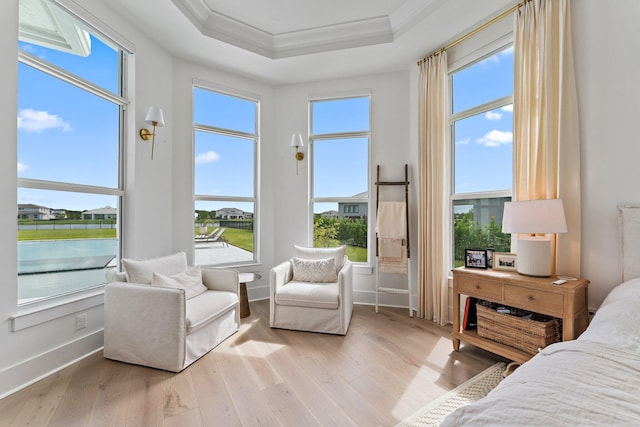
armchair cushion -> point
(314, 295)
(320, 271)
(207, 307)
(322, 253)
(142, 271)
(189, 280)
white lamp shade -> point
(534, 217)
(154, 115)
(296, 140)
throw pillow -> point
(338, 254)
(141, 271)
(317, 271)
(190, 281)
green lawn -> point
(66, 234)
(239, 238)
(356, 254)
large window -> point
(340, 135)
(71, 105)
(482, 139)
(225, 138)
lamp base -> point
(534, 256)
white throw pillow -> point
(190, 281)
(316, 271)
(141, 271)
(322, 253)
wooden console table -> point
(567, 302)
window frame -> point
(199, 127)
(121, 99)
(486, 51)
(312, 138)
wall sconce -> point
(156, 119)
(296, 141)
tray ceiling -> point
(285, 28)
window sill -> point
(363, 269)
(34, 314)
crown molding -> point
(365, 32)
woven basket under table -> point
(527, 335)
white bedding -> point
(594, 380)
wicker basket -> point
(525, 334)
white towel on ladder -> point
(391, 227)
(392, 220)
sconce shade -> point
(154, 117)
(534, 217)
(296, 140)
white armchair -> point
(156, 313)
(299, 301)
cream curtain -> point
(546, 128)
(433, 166)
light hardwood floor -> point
(386, 367)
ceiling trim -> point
(365, 32)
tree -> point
(471, 235)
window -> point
(225, 138)
(340, 135)
(71, 103)
(482, 137)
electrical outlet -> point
(81, 321)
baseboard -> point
(27, 372)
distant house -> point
(329, 214)
(59, 213)
(101, 213)
(30, 211)
(357, 208)
(233, 213)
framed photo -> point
(504, 261)
(475, 258)
(490, 252)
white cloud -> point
(496, 138)
(507, 108)
(208, 157)
(38, 121)
(492, 115)
(463, 141)
(22, 167)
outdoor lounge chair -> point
(214, 236)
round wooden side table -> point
(245, 278)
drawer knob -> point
(530, 298)
(477, 286)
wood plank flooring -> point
(386, 367)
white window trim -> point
(46, 309)
(329, 96)
(463, 57)
(247, 96)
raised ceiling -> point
(293, 41)
(282, 28)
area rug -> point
(477, 387)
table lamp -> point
(536, 218)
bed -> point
(594, 380)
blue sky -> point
(68, 135)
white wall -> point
(159, 193)
(606, 40)
(390, 148)
(53, 340)
(182, 186)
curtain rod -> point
(475, 31)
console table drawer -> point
(480, 288)
(534, 300)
